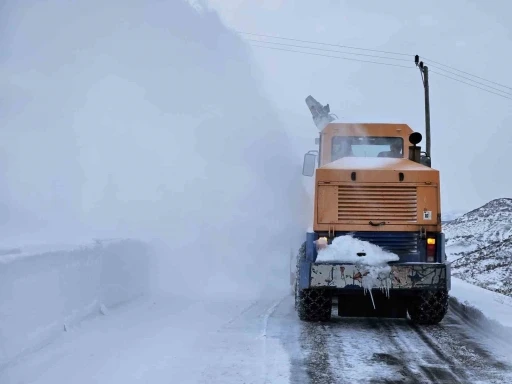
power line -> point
(381, 57)
(326, 44)
(329, 50)
(467, 78)
(379, 63)
(391, 53)
(471, 85)
(334, 57)
(455, 69)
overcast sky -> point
(471, 129)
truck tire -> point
(428, 308)
(301, 255)
(310, 304)
(314, 305)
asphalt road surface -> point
(355, 350)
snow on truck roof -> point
(376, 163)
(364, 129)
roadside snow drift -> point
(488, 313)
(44, 294)
(494, 306)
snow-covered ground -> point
(258, 339)
(492, 305)
(43, 294)
(166, 339)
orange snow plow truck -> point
(372, 184)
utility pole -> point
(424, 77)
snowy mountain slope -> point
(482, 226)
(479, 244)
(489, 266)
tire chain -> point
(311, 304)
(300, 256)
(314, 305)
(429, 307)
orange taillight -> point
(431, 249)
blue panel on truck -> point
(448, 276)
(304, 274)
(441, 256)
(311, 237)
(404, 244)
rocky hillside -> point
(479, 244)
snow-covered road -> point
(176, 340)
(387, 351)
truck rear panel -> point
(401, 277)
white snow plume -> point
(144, 120)
(345, 249)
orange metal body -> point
(372, 193)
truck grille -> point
(392, 204)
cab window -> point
(366, 146)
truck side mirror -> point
(309, 165)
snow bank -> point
(487, 313)
(494, 306)
(42, 295)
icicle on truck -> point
(371, 184)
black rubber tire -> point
(428, 308)
(314, 304)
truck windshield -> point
(366, 146)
